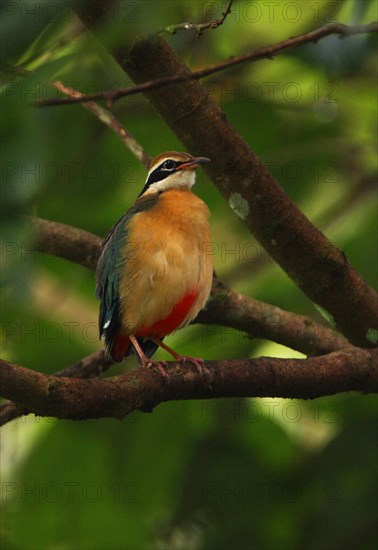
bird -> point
(154, 273)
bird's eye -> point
(168, 164)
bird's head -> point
(172, 170)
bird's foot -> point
(196, 361)
(160, 367)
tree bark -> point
(351, 369)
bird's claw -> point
(196, 361)
(160, 367)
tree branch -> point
(109, 120)
(261, 320)
(89, 367)
(267, 52)
(351, 369)
(67, 242)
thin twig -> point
(109, 120)
(264, 53)
(200, 27)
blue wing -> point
(109, 271)
(107, 278)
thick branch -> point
(352, 369)
(310, 259)
(89, 367)
(261, 320)
(65, 241)
(225, 307)
(267, 52)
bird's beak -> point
(193, 163)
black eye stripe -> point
(161, 173)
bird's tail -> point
(121, 347)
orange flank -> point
(165, 326)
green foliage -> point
(221, 474)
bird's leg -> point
(196, 361)
(146, 361)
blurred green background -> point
(222, 474)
